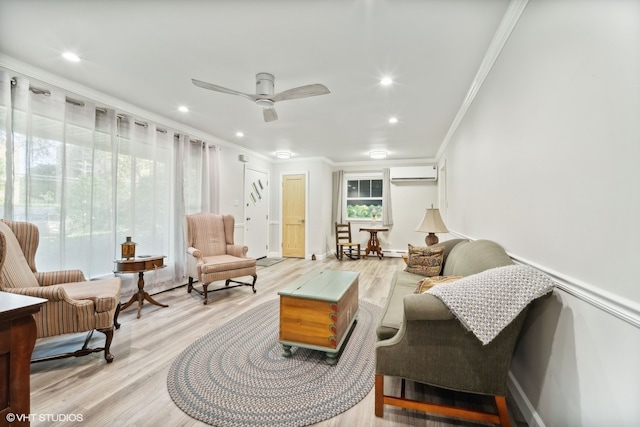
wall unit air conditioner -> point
(414, 173)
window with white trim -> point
(363, 196)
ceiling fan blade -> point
(217, 88)
(269, 114)
(301, 92)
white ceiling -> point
(145, 53)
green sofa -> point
(421, 340)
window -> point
(364, 196)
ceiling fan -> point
(265, 97)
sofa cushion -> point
(429, 282)
(403, 284)
(218, 263)
(425, 260)
(16, 272)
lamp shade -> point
(432, 223)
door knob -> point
(248, 219)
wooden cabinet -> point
(17, 338)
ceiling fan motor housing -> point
(264, 84)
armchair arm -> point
(237, 250)
(196, 253)
(56, 277)
(52, 293)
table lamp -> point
(432, 223)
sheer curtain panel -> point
(89, 176)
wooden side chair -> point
(344, 245)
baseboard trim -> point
(527, 410)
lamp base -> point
(431, 239)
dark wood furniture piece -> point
(344, 244)
(373, 245)
(318, 310)
(140, 265)
(18, 334)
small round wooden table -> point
(140, 265)
(373, 245)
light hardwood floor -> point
(132, 390)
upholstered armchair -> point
(74, 304)
(212, 255)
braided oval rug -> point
(236, 374)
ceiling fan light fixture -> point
(264, 102)
(377, 155)
(283, 154)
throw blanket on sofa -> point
(487, 302)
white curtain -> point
(338, 197)
(90, 176)
(387, 214)
(197, 187)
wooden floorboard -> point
(132, 391)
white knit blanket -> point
(487, 302)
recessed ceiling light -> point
(283, 154)
(386, 81)
(183, 109)
(70, 56)
(393, 120)
(239, 134)
(377, 155)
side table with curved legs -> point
(373, 245)
(140, 265)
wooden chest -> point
(318, 310)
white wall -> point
(545, 163)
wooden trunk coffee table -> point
(318, 310)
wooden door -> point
(293, 215)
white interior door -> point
(256, 231)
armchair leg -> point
(204, 292)
(115, 316)
(107, 344)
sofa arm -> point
(425, 307)
(237, 250)
(56, 277)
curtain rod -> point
(80, 103)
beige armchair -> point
(74, 304)
(212, 255)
